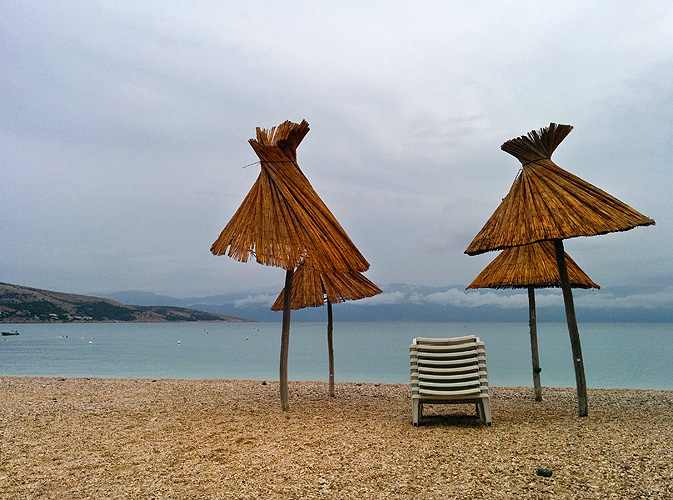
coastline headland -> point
(20, 304)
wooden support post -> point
(578, 361)
(330, 348)
(285, 341)
(532, 324)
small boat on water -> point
(10, 332)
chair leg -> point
(486, 410)
(416, 411)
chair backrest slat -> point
(449, 370)
(448, 366)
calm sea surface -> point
(616, 355)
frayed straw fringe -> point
(282, 221)
(547, 202)
(530, 265)
(309, 288)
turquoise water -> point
(616, 355)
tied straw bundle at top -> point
(546, 202)
(282, 221)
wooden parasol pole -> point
(330, 348)
(578, 361)
(532, 323)
(285, 342)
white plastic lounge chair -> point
(450, 370)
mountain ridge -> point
(22, 304)
(421, 303)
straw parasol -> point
(311, 288)
(548, 203)
(530, 266)
(283, 222)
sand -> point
(179, 439)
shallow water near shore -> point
(616, 355)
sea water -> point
(616, 355)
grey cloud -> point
(263, 299)
(515, 300)
(125, 128)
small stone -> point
(263, 382)
(544, 472)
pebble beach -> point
(80, 438)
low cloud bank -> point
(255, 300)
(512, 300)
(456, 297)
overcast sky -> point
(124, 129)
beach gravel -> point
(79, 438)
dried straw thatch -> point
(282, 221)
(547, 202)
(309, 288)
(530, 265)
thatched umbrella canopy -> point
(549, 203)
(283, 222)
(531, 266)
(311, 288)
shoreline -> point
(100, 321)
(182, 439)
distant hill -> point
(398, 302)
(20, 304)
(416, 303)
